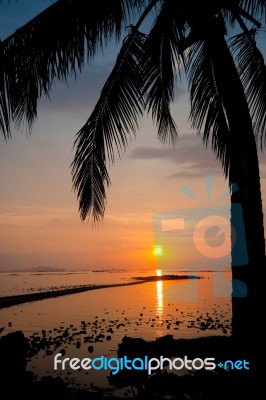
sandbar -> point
(9, 301)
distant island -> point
(33, 269)
(109, 270)
(45, 269)
(165, 277)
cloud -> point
(191, 156)
(184, 174)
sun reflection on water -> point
(159, 293)
(159, 296)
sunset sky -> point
(39, 220)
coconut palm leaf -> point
(207, 112)
(54, 46)
(161, 61)
(109, 128)
(57, 43)
(4, 106)
(256, 8)
(252, 72)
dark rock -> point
(163, 384)
(50, 388)
(133, 347)
(13, 353)
(90, 349)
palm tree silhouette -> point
(226, 81)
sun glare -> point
(158, 250)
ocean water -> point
(92, 324)
(13, 283)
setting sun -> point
(158, 251)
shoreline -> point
(9, 301)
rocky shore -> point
(218, 384)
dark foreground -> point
(219, 384)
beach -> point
(94, 319)
(140, 318)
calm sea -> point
(92, 324)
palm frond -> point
(207, 112)
(4, 106)
(54, 45)
(161, 60)
(256, 8)
(110, 126)
(252, 71)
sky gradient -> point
(39, 219)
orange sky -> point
(39, 220)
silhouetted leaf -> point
(207, 112)
(112, 122)
(159, 67)
(55, 45)
(252, 72)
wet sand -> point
(9, 301)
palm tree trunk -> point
(244, 172)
